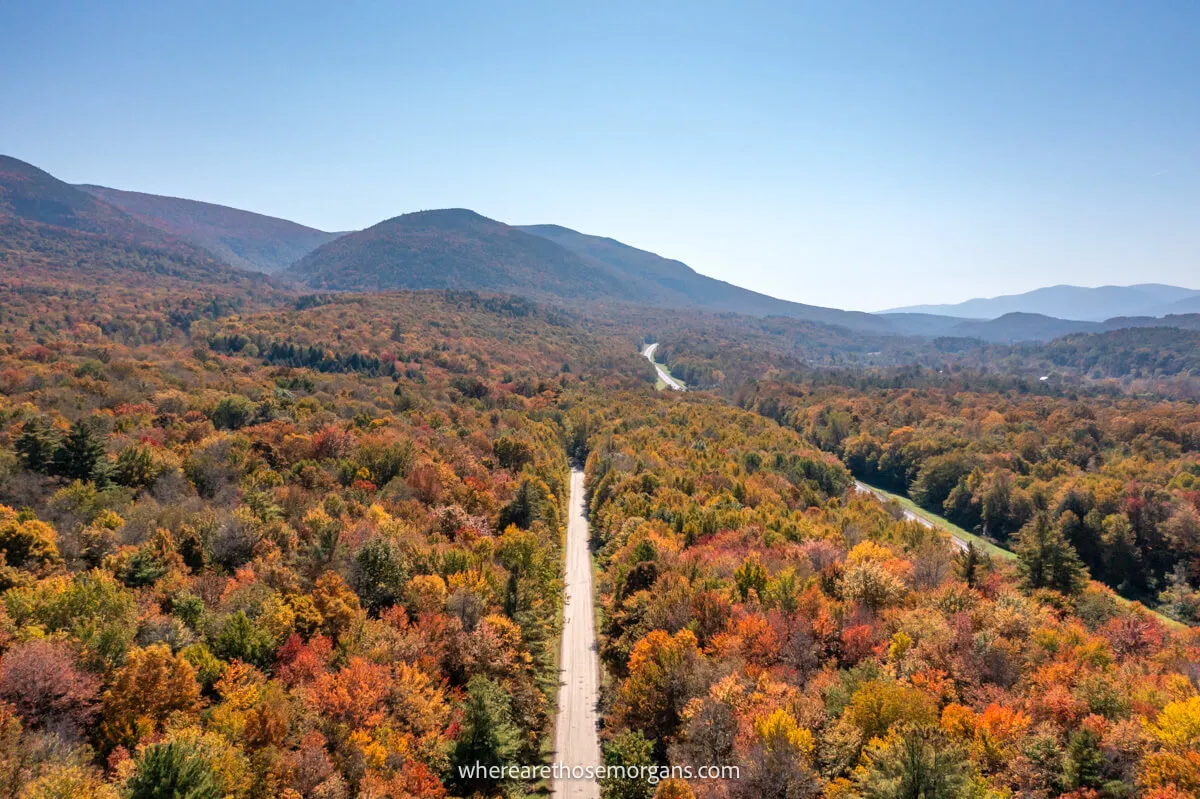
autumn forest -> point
(262, 540)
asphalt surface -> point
(671, 382)
(576, 742)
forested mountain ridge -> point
(454, 249)
(148, 235)
(240, 238)
(52, 231)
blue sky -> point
(858, 155)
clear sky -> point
(858, 155)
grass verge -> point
(1004, 554)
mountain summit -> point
(455, 249)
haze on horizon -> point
(860, 156)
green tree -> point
(750, 576)
(489, 736)
(939, 476)
(914, 762)
(631, 750)
(534, 502)
(1083, 766)
(512, 453)
(380, 573)
(1179, 600)
(971, 564)
(233, 412)
(173, 771)
(135, 467)
(37, 444)
(241, 639)
(1123, 566)
(81, 454)
(1046, 559)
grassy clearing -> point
(982, 544)
(671, 375)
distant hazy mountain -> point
(51, 230)
(671, 283)
(1187, 305)
(1022, 327)
(1074, 302)
(242, 238)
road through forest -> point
(909, 515)
(671, 382)
(576, 739)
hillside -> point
(51, 231)
(1074, 302)
(454, 249)
(244, 239)
(673, 283)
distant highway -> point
(671, 382)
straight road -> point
(576, 742)
(671, 382)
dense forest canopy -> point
(311, 545)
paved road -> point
(912, 517)
(671, 382)
(576, 742)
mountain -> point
(1029, 327)
(1013, 327)
(454, 249)
(1074, 302)
(244, 239)
(1188, 305)
(670, 283)
(52, 231)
